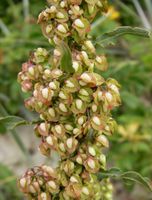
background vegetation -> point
(130, 62)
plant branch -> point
(4, 28)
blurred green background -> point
(130, 62)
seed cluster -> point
(74, 107)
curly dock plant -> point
(74, 103)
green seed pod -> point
(89, 47)
(77, 67)
(50, 115)
(49, 170)
(102, 159)
(23, 184)
(64, 196)
(40, 55)
(44, 196)
(71, 85)
(26, 86)
(81, 120)
(62, 30)
(101, 63)
(92, 164)
(86, 94)
(52, 187)
(52, 141)
(61, 16)
(69, 128)
(68, 167)
(75, 11)
(43, 129)
(71, 145)
(78, 106)
(75, 2)
(92, 79)
(58, 130)
(102, 140)
(63, 178)
(79, 159)
(44, 149)
(47, 14)
(56, 73)
(85, 192)
(63, 109)
(98, 123)
(73, 190)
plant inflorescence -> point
(74, 103)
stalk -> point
(26, 8)
(142, 15)
(4, 28)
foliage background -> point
(130, 62)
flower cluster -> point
(74, 108)
(44, 182)
(69, 19)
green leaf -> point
(11, 122)
(66, 60)
(110, 37)
(130, 175)
(136, 177)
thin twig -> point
(98, 22)
(142, 14)
(127, 9)
(26, 8)
(149, 8)
(4, 28)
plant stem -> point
(26, 8)
(4, 28)
(141, 14)
(98, 22)
(19, 142)
(149, 8)
(127, 9)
